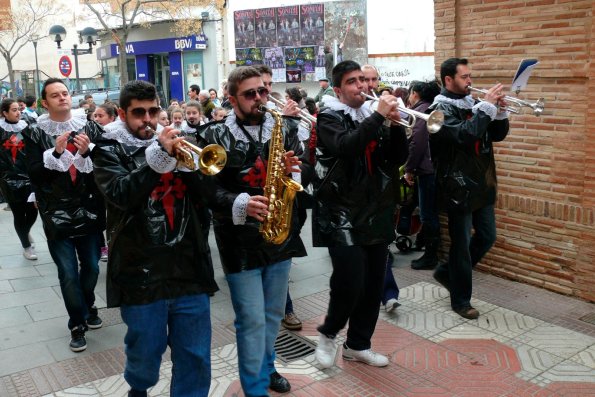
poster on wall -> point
(345, 21)
(244, 28)
(274, 59)
(193, 74)
(312, 19)
(249, 56)
(301, 62)
(266, 27)
(288, 26)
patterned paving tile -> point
(570, 371)
(556, 340)
(586, 357)
(466, 331)
(507, 322)
(425, 323)
(534, 362)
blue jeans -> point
(427, 202)
(258, 297)
(466, 251)
(184, 324)
(78, 288)
(391, 289)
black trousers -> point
(24, 215)
(356, 290)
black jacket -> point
(14, 179)
(463, 152)
(67, 209)
(242, 247)
(356, 165)
(419, 161)
(156, 249)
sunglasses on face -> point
(251, 94)
(140, 112)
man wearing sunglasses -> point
(256, 272)
(57, 157)
(159, 270)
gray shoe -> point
(30, 254)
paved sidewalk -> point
(527, 341)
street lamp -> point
(34, 39)
(87, 35)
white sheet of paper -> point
(522, 75)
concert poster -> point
(244, 29)
(312, 20)
(288, 26)
(300, 62)
(274, 58)
(248, 56)
(266, 27)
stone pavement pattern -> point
(527, 341)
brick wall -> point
(546, 166)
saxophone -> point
(279, 188)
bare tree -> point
(18, 25)
(119, 16)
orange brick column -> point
(546, 166)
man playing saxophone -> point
(256, 271)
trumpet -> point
(434, 120)
(211, 158)
(307, 120)
(211, 161)
(515, 105)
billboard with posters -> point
(288, 26)
(301, 62)
(244, 29)
(249, 56)
(275, 59)
(266, 27)
(312, 22)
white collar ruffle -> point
(358, 114)
(118, 131)
(238, 134)
(10, 127)
(54, 128)
(464, 103)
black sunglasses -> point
(251, 94)
(140, 112)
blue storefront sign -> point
(174, 46)
(171, 44)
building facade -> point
(546, 201)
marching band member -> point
(465, 153)
(257, 272)
(353, 215)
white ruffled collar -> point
(118, 131)
(238, 134)
(464, 103)
(77, 121)
(335, 104)
(10, 127)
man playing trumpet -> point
(357, 158)
(466, 176)
(159, 270)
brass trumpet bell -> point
(211, 159)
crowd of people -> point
(116, 169)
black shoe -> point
(467, 312)
(442, 279)
(137, 393)
(93, 321)
(78, 343)
(279, 383)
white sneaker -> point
(326, 351)
(30, 254)
(391, 305)
(365, 356)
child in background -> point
(177, 118)
(163, 118)
(219, 114)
